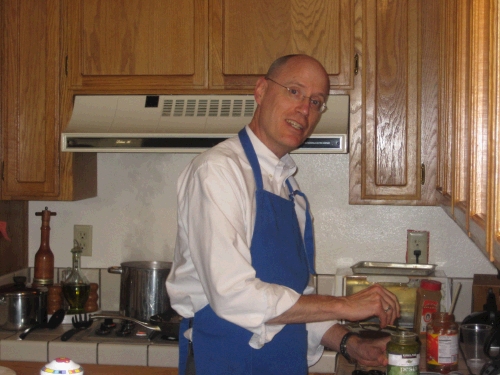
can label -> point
(428, 308)
(403, 364)
(442, 349)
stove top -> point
(123, 331)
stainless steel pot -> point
(143, 291)
(21, 307)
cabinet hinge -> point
(356, 64)
(3, 170)
(422, 174)
(66, 65)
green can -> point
(403, 354)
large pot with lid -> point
(21, 307)
(143, 290)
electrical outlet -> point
(83, 235)
(417, 247)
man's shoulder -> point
(227, 157)
(226, 152)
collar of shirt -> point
(277, 170)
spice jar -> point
(427, 303)
(403, 353)
(442, 343)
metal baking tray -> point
(387, 268)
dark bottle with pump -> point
(44, 258)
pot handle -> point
(115, 269)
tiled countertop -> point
(44, 345)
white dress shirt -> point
(212, 260)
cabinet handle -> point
(356, 64)
(422, 174)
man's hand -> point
(368, 352)
(372, 301)
(365, 351)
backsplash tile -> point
(464, 301)
(79, 352)
(127, 355)
(12, 349)
(109, 291)
(163, 355)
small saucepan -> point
(21, 307)
(167, 323)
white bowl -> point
(63, 366)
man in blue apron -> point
(244, 251)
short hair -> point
(278, 64)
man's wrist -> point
(343, 346)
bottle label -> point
(403, 364)
(442, 349)
(428, 308)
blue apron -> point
(279, 257)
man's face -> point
(284, 123)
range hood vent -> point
(182, 123)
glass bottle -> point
(403, 354)
(44, 258)
(428, 302)
(76, 287)
(442, 343)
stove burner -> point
(109, 323)
(126, 328)
(105, 328)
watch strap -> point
(343, 345)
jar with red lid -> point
(442, 343)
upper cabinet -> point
(469, 127)
(32, 165)
(165, 46)
(247, 36)
(115, 46)
(394, 108)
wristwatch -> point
(343, 346)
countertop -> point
(33, 368)
(42, 346)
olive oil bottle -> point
(76, 287)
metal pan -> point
(167, 323)
(390, 268)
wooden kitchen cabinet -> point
(247, 36)
(152, 46)
(469, 129)
(394, 107)
(32, 165)
(145, 45)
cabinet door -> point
(30, 127)
(147, 44)
(247, 36)
(394, 143)
(33, 167)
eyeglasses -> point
(315, 102)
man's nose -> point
(304, 106)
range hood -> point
(182, 123)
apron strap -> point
(252, 157)
(308, 231)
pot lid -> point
(19, 288)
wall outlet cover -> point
(417, 247)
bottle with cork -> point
(428, 302)
(44, 258)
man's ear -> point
(260, 89)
